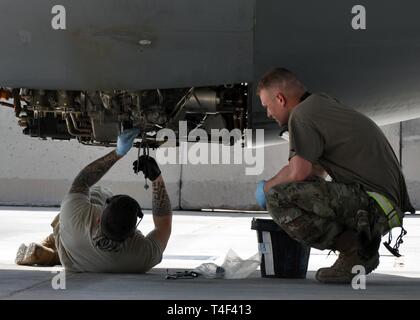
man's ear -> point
(281, 99)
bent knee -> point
(311, 230)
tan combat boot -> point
(49, 242)
(36, 254)
(341, 270)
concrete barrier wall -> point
(34, 172)
(227, 186)
(411, 159)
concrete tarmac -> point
(198, 237)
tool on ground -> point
(181, 275)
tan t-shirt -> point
(349, 145)
(77, 228)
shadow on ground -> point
(37, 284)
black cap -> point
(119, 218)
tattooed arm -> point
(162, 213)
(97, 169)
(92, 173)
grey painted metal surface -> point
(186, 43)
(375, 70)
(201, 43)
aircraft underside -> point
(150, 64)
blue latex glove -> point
(260, 194)
(125, 141)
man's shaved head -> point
(283, 80)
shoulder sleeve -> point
(304, 140)
(146, 253)
(99, 194)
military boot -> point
(20, 255)
(36, 254)
(49, 242)
(341, 270)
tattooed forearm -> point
(161, 202)
(92, 173)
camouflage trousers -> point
(316, 212)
